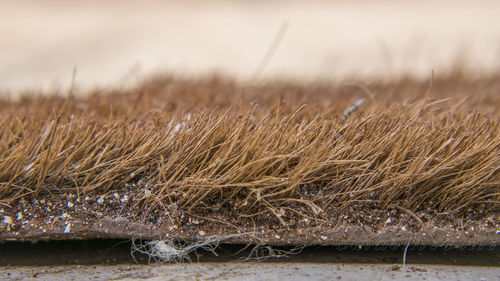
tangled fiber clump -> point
(169, 250)
(261, 148)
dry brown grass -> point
(276, 147)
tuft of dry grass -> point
(277, 148)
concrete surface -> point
(252, 271)
(117, 42)
(113, 260)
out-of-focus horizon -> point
(120, 42)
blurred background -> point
(115, 42)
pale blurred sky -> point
(114, 42)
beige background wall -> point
(120, 41)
